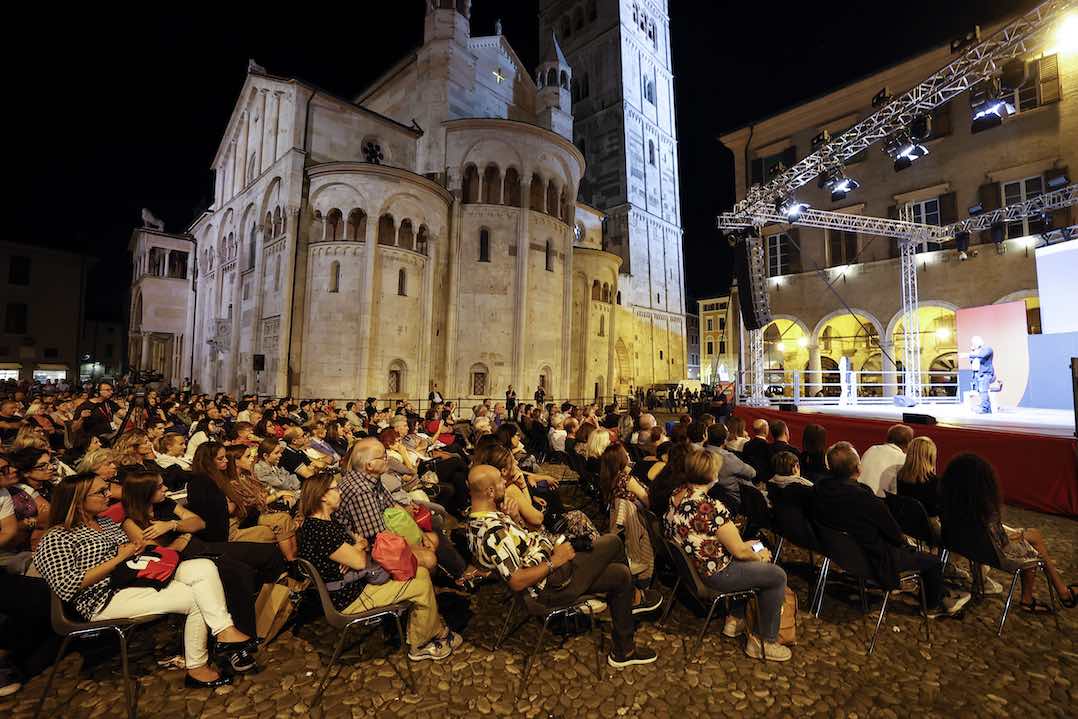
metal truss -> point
(911, 316)
(1055, 200)
(864, 224)
(975, 65)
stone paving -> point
(965, 671)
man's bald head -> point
(367, 452)
(759, 428)
(482, 478)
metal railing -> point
(825, 387)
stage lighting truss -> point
(838, 183)
(974, 65)
(791, 208)
(1047, 202)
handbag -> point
(154, 567)
(399, 521)
(422, 516)
(275, 605)
(394, 555)
(787, 618)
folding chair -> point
(343, 623)
(70, 629)
(912, 519)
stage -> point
(1034, 451)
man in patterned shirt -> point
(550, 570)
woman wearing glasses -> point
(82, 549)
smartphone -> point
(757, 546)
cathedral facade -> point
(424, 232)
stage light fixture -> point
(1056, 182)
(1067, 34)
(904, 150)
(921, 128)
(881, 98)
(990, 105)
(943, 334)
(1013, 75)
(961, 243)
(997, 235)
(969, 39)
(839, 184)
(975, 210)
(775, 170)
(790, 208)
(780, 346)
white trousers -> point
(195, 590)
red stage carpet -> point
(1035, 471)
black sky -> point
(120, 111)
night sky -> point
(125, 110)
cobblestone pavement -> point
(965, 671)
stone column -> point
(887, 363)
(234, 322)
(611, 334)
(281, 386)
(812, 377)
(264, 94)
(451, 387)
(144, 360)
(426, 324)
(566, 320)
(276, 123)
(520, 301)
(366, 309)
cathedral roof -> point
(554, 53)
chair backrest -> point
(332, 615)
(754, 506)
(655, 534)
(970, 539)
(911, 517)
(685, 569)
(792, 523)
(61, 623)
(843, 550)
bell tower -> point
(554, 101)
(446, 77)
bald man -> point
(547, 567)
(757, 450)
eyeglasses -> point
(104, 492)
(40, 465)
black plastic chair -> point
(703, 594)
(532, 608)
(663, 560)
(343, 623)
(974, 543)
(70, 629)
(754, 507)
(842, 549)
(912, 519)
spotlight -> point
(1057, 181)
(791, 208)
(995, 232)
(969, 39)
(921, 127)
(775, 170)
(975, 210)
(881, 98)
(904, 150)
(990, 106)
(961, 242)
(943, 334)
(802, 342)
(839, 184)
(780, 346)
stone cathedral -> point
(462, 221)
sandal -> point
(1035, 607)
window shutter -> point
(941, 120)
(991, 199)
(1049, 89)
(757, 175)
(948, 209)
(795, 249)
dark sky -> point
(122, 111)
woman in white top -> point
(556, 435)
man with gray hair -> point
(980, 356)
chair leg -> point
(703, 629)
(1051, 595)
(52, 675)
(778, 549)
(1007, 604)
(864, 596)
(324, 681)
(924, 608)
(879, 622)
(505, 627)
(126, 673)
(670, 604)
(531, 658)
(409, 681)
(821, 585)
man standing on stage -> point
(984, 372)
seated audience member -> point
(364, 499)
(626, 428)
(11, 420)
(294, 458)
(598, 441)
(732, 472)
(787, 471)
(623, 494)
(757, 450)
(268, 469)
(556, 436)
(787, 487)
(882, 461)
(970, 493)
(205, 430)
(643, 435)
(318, 447)
(571, 424)
(134, 449)
(243, 433)
(780, 436)
(813, 463)
(213, 496)
(30, 494)
(697, 434)
(171, 451)
(736, 434)
(841, 502)
(703, 527)
(550, 570)
(344, 562)
(670, 478)
(339, 436)
(583, 436)
(102, 463)
(82, 549)
(662, 454)
(258, 498)
(917, 476)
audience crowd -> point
(220, 496)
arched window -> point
(564, 80)
(596, 290)
(619, 297)
(267, 227)
(484, 245)
(402, 283)
(549, 256)
(278, 222)
(606, 292)
(552, 199)
(396, 377)
(422, 240)
(660, 354)
(602, 326)
(277, 273)
(651, 152)
(334, 222)
(540, 79)
(511, 189)
(470, 188)
(318, 227)
(335, 277)
(492, 185)
(479, 376)
(536, 200)
(406, 235)
(357, 226)
(251, 246)
(566, 211)
(552, 78)
(387, 232)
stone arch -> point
(422, 240)
(478, 380)
(278, 221)
(335, 276)
(605, 292)
(318, 227)
(334, 226)
(470, 185)
(492, 185)
(621, 362)
(552, 198)
(511, 188)
(136, 314)
(619, 297)
(563, 80)
(402, 282)
(356, 230)
(270, 198)
(549, 256)
(602, 325)
(537, 192)
(396, 377)
(546, 378)
(387, 230)
(552, 78)
(841, 312)
(596, 290)
(406, 235)
(1017, 295)
(892, 326)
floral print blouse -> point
(692, 522)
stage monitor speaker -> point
(787, 407)
(259, 362)
(914, 418)
(751, 274)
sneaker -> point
(950, 605)
(991, 586)
(956, 572)
(734, 627)
(434, 649)
(640, 655)
(650, 600)
(453, 639)
(593, 607)
(773, 651)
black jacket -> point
(853, 508)
(206, 500)
(757, 452)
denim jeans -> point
(769, 581)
